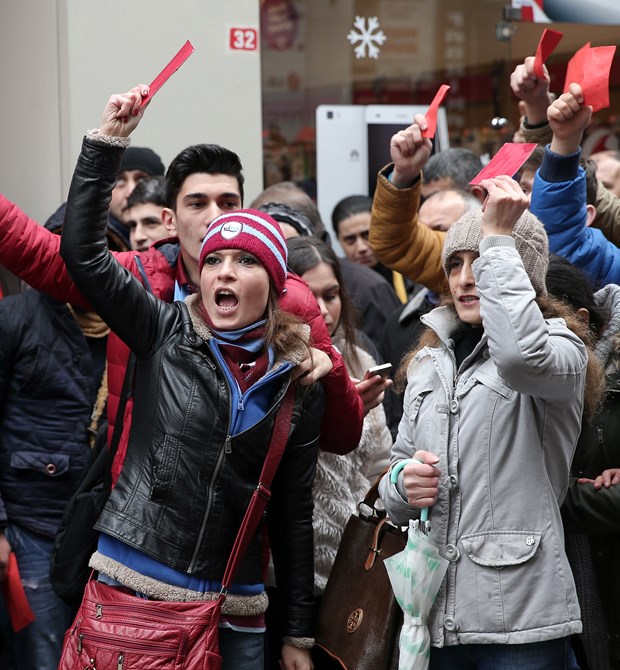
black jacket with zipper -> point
(185, 483)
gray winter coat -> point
(504, 426)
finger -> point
(420, 121)
(576, 91)
(426, 457)
(585, 480)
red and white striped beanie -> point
(255, 232)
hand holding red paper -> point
(568, 117)
(507, 161)
(589, 68)
(504, 205)
(409, 150)
(123, 112)
(431, 112)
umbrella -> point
(416, 574)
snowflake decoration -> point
(367, 38)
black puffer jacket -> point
(48, 387)
(185, 483)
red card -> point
(15, 599)
(589, 68)
(508, 160)
(178, 59)
(431, 112)
(548, 42)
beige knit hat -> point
(529, 236)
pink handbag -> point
(116, 630)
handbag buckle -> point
(263, 491)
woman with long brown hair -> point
(493, 407)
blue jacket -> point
(559, 201)
(47, 392)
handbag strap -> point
(119, 419)
(262, 493)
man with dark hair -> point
(143, 213)
(137, 163)
(170, 268)
(451, 169)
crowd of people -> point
(498, 306)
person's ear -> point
(170, 221)
(590, 214)
(478, 192)
(584, 316)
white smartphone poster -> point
(384, 121)
(353, 144)
(341, 157)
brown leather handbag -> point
(359, 619)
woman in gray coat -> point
(493, 407)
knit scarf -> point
(243, 349)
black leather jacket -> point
(185, 483)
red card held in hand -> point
(508, 160)
(548, 42)
(431, 112)
(177, 60)
(589, 68)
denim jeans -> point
(548, 655)
(38, 645)
(241, 651)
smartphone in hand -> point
(384, 370)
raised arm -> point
(534, 92)
(112, 290)
(559, 194)
(533, 356)
(396, 235)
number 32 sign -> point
(243, 39)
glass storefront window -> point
(398, 52)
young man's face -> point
(202, 198)
(353, 237)
(125, 184)
(145, 225)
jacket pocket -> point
(165, 461)
(505, 583)
(416, 398)
(51, 465)
(498, 549)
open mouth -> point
(226, 300)
(468, 299)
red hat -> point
(255, 232)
